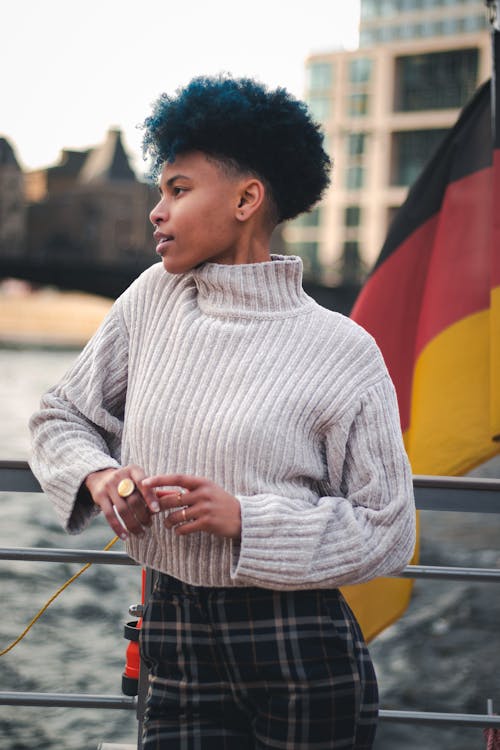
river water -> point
(443, 655)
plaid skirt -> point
(251, 668)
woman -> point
(242, 440)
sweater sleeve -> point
(365, 531)
(78, 427)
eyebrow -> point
(172, 179)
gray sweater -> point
(235, 374)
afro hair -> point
(238, 121)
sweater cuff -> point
(72, 500)
(260, 557)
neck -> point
(252, 247)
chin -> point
(172, 266)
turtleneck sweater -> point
(233, 373)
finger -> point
(190, 527)
(184, 515)
(147, 494)
(126, 513)
(187, 481)
(173, 500)
(136, 504)
(113, 520)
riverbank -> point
(47, 317)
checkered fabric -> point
(250, 668)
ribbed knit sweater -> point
(233, 373)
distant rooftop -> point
(70, 162)
(107, 161)
(7, 154)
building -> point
(90, 207)
(12, 203)
(384, 108)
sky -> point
(70, 71)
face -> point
(196, 218)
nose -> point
(159, 213)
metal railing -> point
(462, 494)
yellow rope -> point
(52, 598)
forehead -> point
(195, 166)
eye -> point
(177, 190)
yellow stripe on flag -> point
(379, 603)
(495, 363)
(450, 414)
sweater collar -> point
(269, 289)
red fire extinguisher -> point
(130, 676)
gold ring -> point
(184, 519)
(126, 487)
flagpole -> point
(494, 17)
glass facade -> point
(411, 150)
(355, 177)
(319, 76)
(320, 107)
(308, 251)
(360, 70)
(438, 80)
(356, 144)
(352, 216)
(358, 104)
(351, 265)
(375, 8)
(309, 219)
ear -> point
(251, 197)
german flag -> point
(432, 303)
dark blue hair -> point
(237, 120)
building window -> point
(355, 177)
(358, 105)
(308, 251)
(309, 219)
(367, 37)
(319, 107)
(320, 76)
(356, 144)
(391, 214)
(475, 23)
(411, 150)
(439, 80)
(360, 70)
(351, 265)
(369, 9)
(451, 26)
(352, 216)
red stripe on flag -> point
(458, 275)
(389, 307)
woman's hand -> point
(204, 506)
(135, 510)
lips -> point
(162, 241)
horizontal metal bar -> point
(121, 558)
(50, 554)
(451, 573)
(430, 481)
(460, 500)
(428, 717)
(120, 702)
(16, 476)
(68, 700)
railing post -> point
(143, 673)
